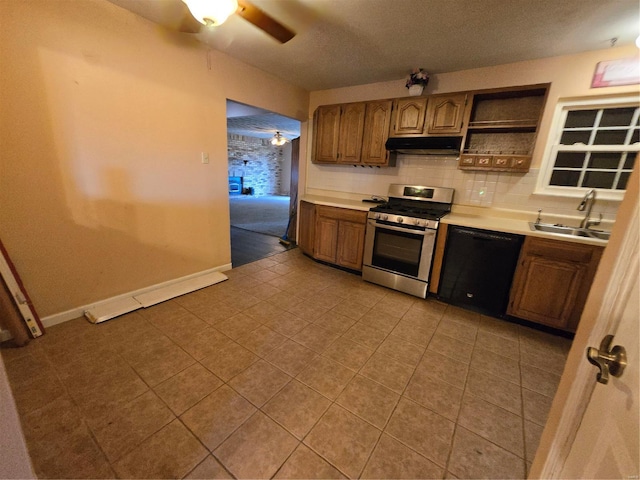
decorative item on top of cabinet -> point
(552, 281)
(352, 133)
(502, 129)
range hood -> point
(425, 145)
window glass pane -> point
(570, 159)
(604, 160)
(622, 181)
(635, 137)
(564, 178)
(580, 118)
(617, 117)
(569, 138)
(599, 179)
(630, 161)
(610, 137)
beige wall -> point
(103, 120)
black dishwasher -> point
(478, 269)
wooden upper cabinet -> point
(445, 113)
(327, 134)
(351, 132)
(376, 130)
(408, 117)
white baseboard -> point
(62, 317)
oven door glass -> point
(397, 251)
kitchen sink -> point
(570, 231)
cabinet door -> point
(546, 290)
(350, 245)
(327, 131)
(446, 113)
(376, 130)
(307, 223)
(408, 117)
(552, 281)
(326, 239)
(351, 131)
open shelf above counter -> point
(502, 129)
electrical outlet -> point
(205, 157)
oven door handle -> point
(423, 233)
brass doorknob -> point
(608, 360)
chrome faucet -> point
(587, 204)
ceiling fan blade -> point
(263, 21)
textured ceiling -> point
(255, 122)
(354, 42)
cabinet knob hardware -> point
(609, 360)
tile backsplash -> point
(498, 190)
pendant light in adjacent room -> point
(278, 140)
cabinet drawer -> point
(346, 214)
(476, 160)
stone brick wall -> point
(258, 162)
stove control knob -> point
(400, 219)
(376, 216)
(384, 217)
(417, 222)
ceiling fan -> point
(216, 12)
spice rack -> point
(502, 129)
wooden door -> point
(351, 131)
(350, 245)
(445, 113)
(408, 116)
(376, 131)
(307, 220)
(592, 430)
(326, 239)
(327, 132)
(606, 445)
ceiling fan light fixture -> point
(211, 12)
(278, 140)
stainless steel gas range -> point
(400, 237)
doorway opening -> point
(263, 182)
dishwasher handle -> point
(486, 235)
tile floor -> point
(289, 369)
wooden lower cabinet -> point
(334, 235)
(306, 229)
(552, 281)
(350, 247)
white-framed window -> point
(592, 144)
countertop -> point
(517, 223)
